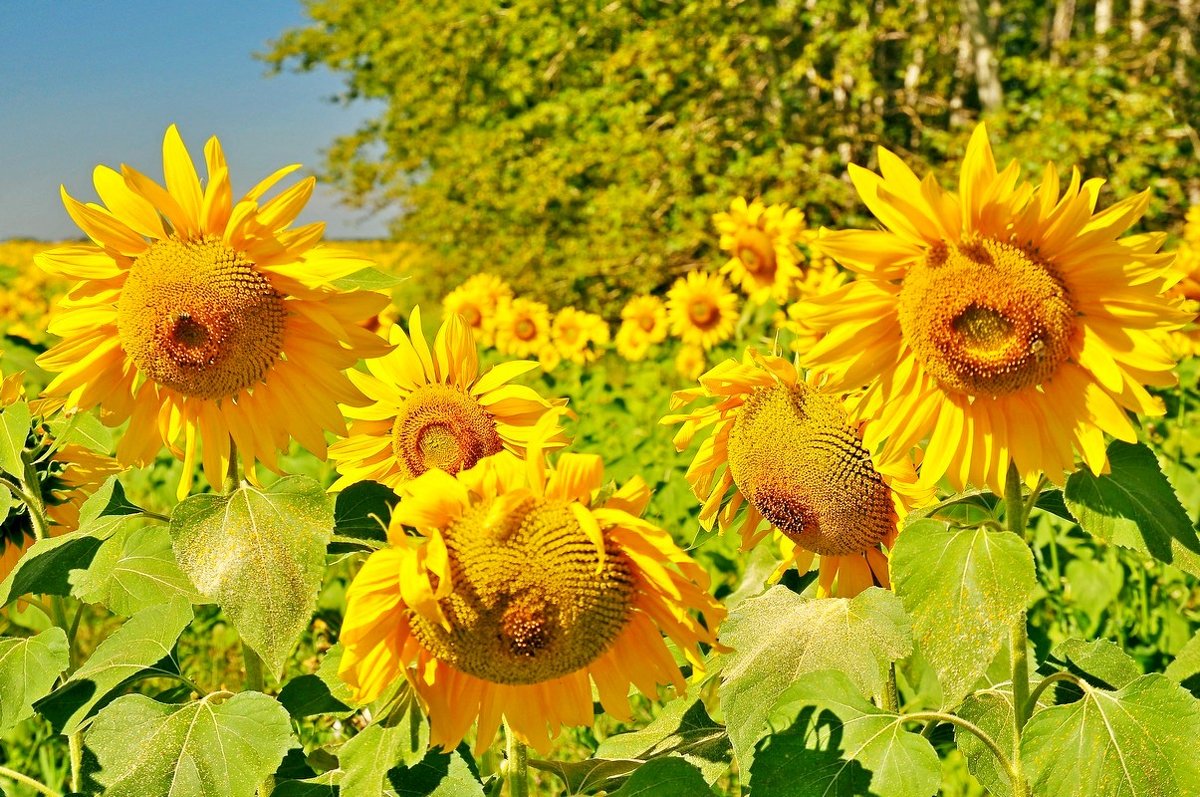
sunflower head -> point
(526, 586)
(66, 475)
(1005, 322)
(761, 241)
(522, 327)
(432, 409)
(787, 455)
(648, 315)
(204, 320)
(579, 336)
(477, 301)
(701, 309)
(690, 361)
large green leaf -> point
(132, 570)
(82, 428)
(222, 745)
(825, 713)
(779, 636)
(363, 510)
(1134, 506)
(683, 730)
(28, 669)
(991, 709)
(307, 695)
(14, 429)
(1106, 664)
(260, 555)
(665, 777)
(1186, 665)
(1139, 741)
(145, 639)
(963, 589)
(438, 774)
(45, 567)
(401, 737)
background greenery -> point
(579, 148)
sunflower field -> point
(886, 484)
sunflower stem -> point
(231, 475)
(25, 780)
(933, 718)
(517, 770)
(75, 746)
(256, 683)
(41, 529)
(1015, 515)
(891, 695)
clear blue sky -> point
(85, 82)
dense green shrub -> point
(580, 148)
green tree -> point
(579, 148)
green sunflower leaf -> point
(963, 589)
(1134, 506)
(145, 639)
(221, 744)
(28, 669)
(827, 738)
(260, 555)
(45, 567)
(452, 774)
(363, 510)
(132, 570)
(400, 737)
(665, 777)
(368, 279)
(1100, 659)
(1139, 741)
(14, 430)
(778, 636)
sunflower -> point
(787, 455)
(549, 357)
(477, 301)
(579, 336)
(66, 476)
(690, 362)
(632, 343)
(761, 240)
(202, 320)
(648, 315)
(701, 309)
(1004, 322)
(432, 409)
(522, 327)
(528, 584)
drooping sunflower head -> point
(528, 587)
(203, 319)
(702, 310)
(761, 241)
(522, 327)
(477, 301)
(432, 409)
(66, 473)
(579, 336)
(787, 456)
(1006, 321)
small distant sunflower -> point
(522, 327)
(701, 309)
(549, 357)
(66, 477)
(762, 242)
(200, 319)
(690, 362)
(1004, 322)
(648, 315)
(432, 409)
(632, 343)
(529, 587)
(477, 301)
(787, 455)
(579, 336)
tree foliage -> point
(581, 147)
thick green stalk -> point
(75, 745)
(255, 682)
(516, 772)
(1015, 512)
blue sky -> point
(86, 82)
